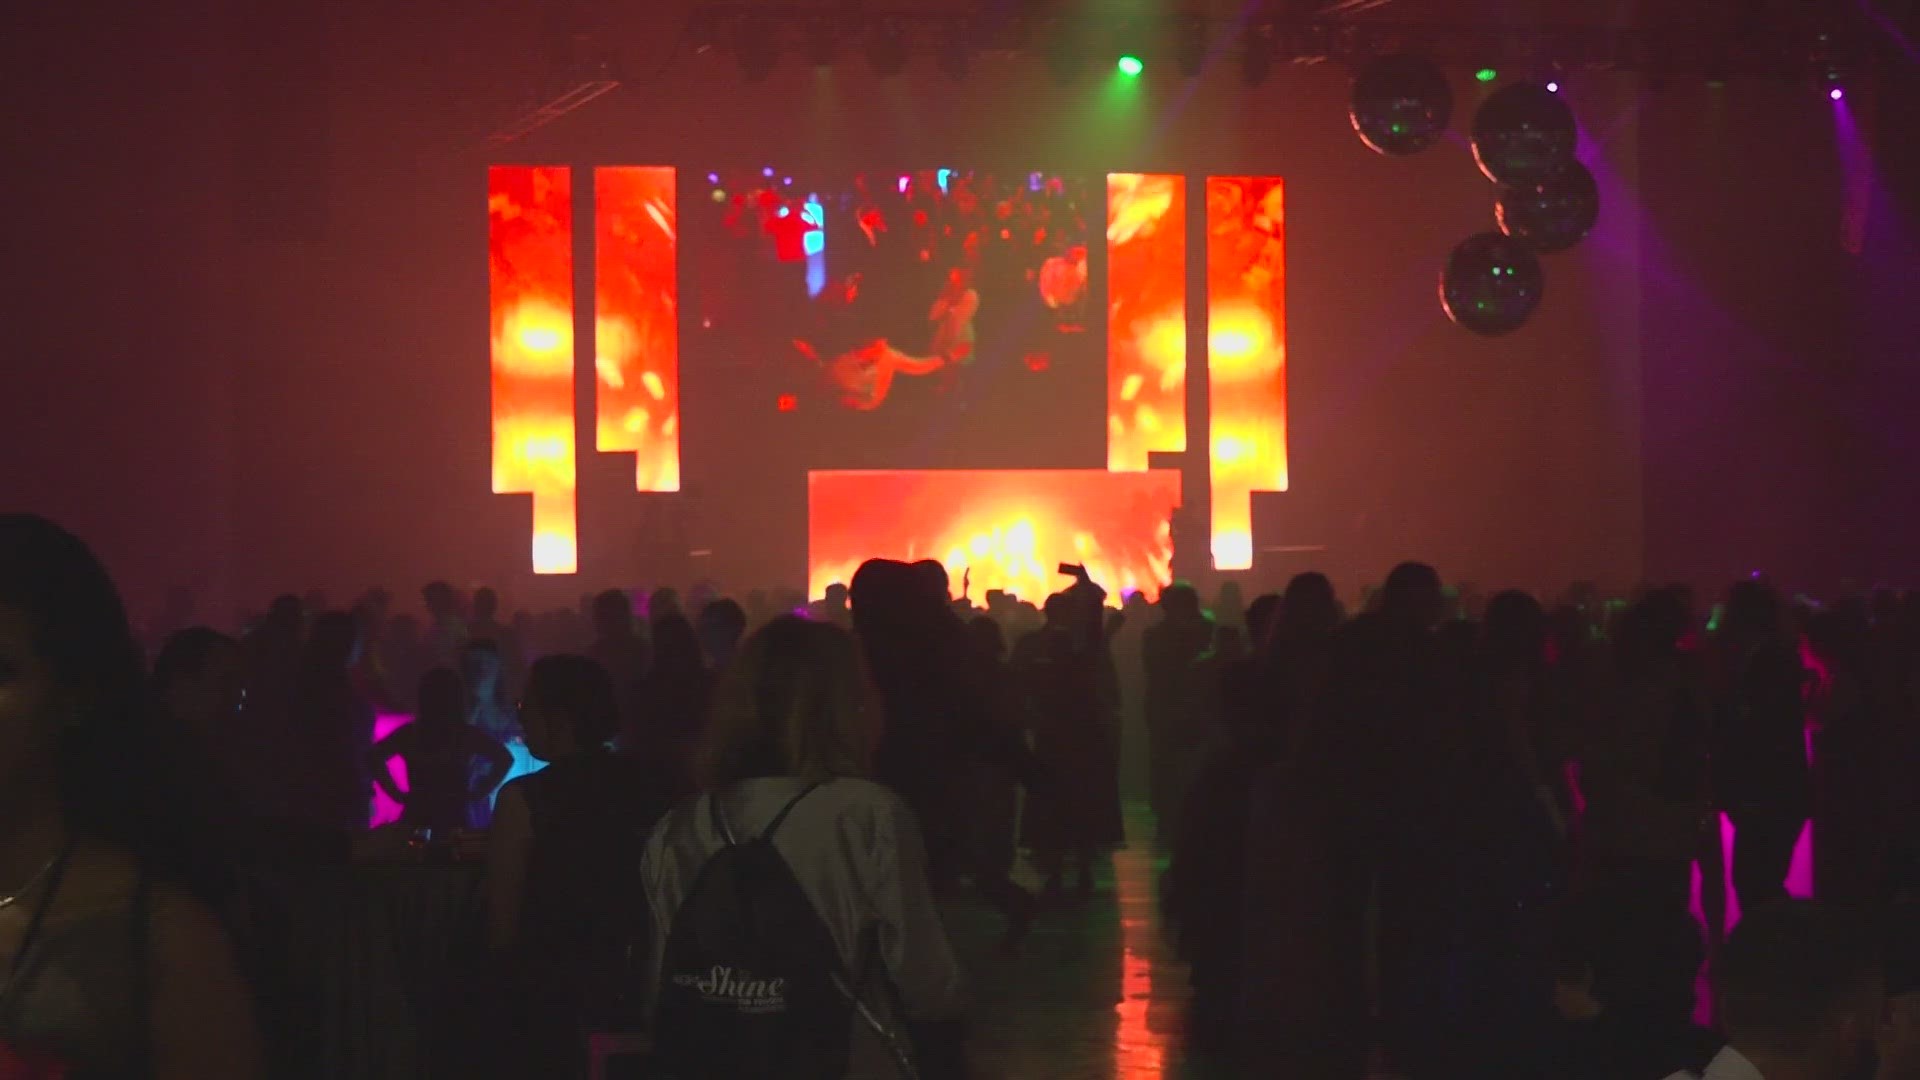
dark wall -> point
(220, 403)
(1780, 377)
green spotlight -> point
(1486, 74)
(1131, 65)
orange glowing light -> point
(530, 249)
(1146, 317)
(636, 333)
(1010, 529)
(1246, 354)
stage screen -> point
(941, 317)
(1002, 529)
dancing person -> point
(619, 647)
(1168, 650)
(792, 740)
(1800, 994)
(722, 624)
(107, 967)
(483, 669)
(325, 767)
(671, 707)
(937, 736)
(439, 750)
(1760, 752)
(1073, 816)
(565, 912)
(952, 317)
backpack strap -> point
(726, 832)
(780, 818)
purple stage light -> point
(1836, 94)
(1553, 88)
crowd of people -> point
(1459, 833)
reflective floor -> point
(1096, 993)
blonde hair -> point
(796, 703)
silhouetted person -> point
(1073, 811)
(488, 712)
(619, 648)
(1645, 773)
(1800, 994)
(722, 624)
(446, 630)
(199, 685)
(564, 900)
(326, 748)
(111, 968)
(439, 750)
(936, 734)
(1759, 745)
(670, 714)
(1169, 648)
(507, 642)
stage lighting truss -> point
(1725, 50)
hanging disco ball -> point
(1401, 104)
(1524, 133)
(1552, 214)
(1491, 284)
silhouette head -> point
(1413, 596)
(200, 678)
(72, 693)
(486, 605)
(933, 577)
(1180, 601)
(676, 648)
(1263, 618)
(613, 615)
(1516, 626)
(286, 615)
(440, 599)
(1309, 610)
(836, 595)
(722, 623)
(568, 707)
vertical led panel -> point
(530, 267)
(636, 335)
(1246, 355)
(1146, 317)
(1005, 529)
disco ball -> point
(1401, 104)
(1524, 133)
(1552, 214)
(1491, 284)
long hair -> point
(106, 787)
(796, 703)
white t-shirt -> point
(858, 854)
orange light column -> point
(636, 330)
(1146, 318)
(1246, 355)
(530, 266)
